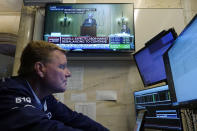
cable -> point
(191, 123)
(189, 119)
(192, 119)
(185, 120)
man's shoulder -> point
(13, 84)
(14, 93)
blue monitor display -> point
(149, 59)
(181, 66)
(91, 27)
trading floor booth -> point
(177, 67)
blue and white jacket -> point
(21, 110)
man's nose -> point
(67, 73)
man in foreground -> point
(26, 101)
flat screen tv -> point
(149, 59)
(181, 66)
(91, 27)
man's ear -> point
(40, 69)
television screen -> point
(90, 27)
(149, 59)
(181, 66)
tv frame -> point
(97, 51)
(149, 43)
(186, 104)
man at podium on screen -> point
(89, 26)
(90, 21)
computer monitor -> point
(153, 96)
(160, 114)
(149, 59)
(181, 66)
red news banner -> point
(79, 40)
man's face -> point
(56, 73)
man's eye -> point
(62, 66)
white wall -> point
(9, 22)
(149, 22)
